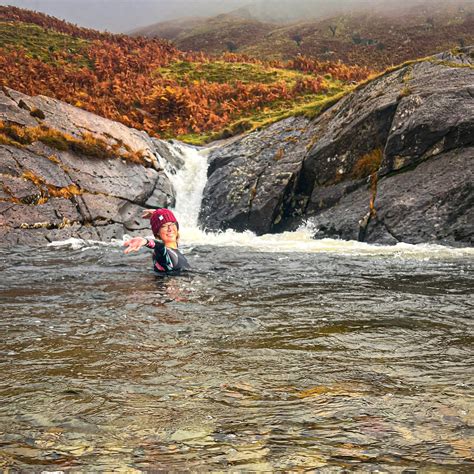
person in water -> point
(166, 256)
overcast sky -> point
(125, 15)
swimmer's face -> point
(169, 233)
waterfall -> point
(186, 167)
(189, 182)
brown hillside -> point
(169, 30)
(376, 40)
(223, 33)
(148, 84)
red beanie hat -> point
(160, 217)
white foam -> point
(82, 244)
(189, 183)
(302, 241)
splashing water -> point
(189, 183)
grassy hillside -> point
(369, 39)
(150, 85)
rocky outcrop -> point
(391, 162)
(49, 193)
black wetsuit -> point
(166, 260)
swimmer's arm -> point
(135, 244)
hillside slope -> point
(148, 84)
(376, 40)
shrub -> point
(367, 164)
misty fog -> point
(125, 15)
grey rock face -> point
(355, 126)
(168, 153)
(437, 115)
(163, 194)
(73, 121)
(47, 194)
(251, 180)
(390, 162)
(432, 203)
(51, 214)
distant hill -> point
(372, 39)
(169, 30)
(220, 34)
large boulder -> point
(50, 194)
(55, 114)
(435, 114)
(432, 203)
(251, 180)
(395, 147)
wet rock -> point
(251, 180)
(163, 194)
(37, 160)
(345, 219)
(8, 165)
(47, 194)
(42, 236)
(168, 153)
(354, 128)
(103, 210)
(20, 189)
(53, 213)
(418, 206)
(74, 121)
(112, 177)
(437, 115)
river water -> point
(276, 353)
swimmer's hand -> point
(135, 244)
(147, 213)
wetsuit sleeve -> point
(162, 261)
(166, 260)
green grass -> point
(42, 44)
(222, 72)
(309, 106)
